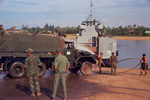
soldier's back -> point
(32, 69)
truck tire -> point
(74, 70)
(16, 70)
(42, 69)
(86, 68)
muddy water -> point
(132, 49)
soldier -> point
(61, 65)
(100, 61)
(144, 64)
(2, 31)
(113, 63)
(32, 63)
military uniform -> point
(2, 31)
(31, 63)
(61, 62)
(99, 65)
(144, 64)
(113, 64)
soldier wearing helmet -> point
(31, 63)
(2, 31)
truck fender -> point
(86, 58)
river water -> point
(132, 49)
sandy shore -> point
(124, 86)
(131, 38)
(117, 37)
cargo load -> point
(21, 42)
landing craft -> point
(90, 35)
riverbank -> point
(73, 36)
(117, 37)
(131, 38)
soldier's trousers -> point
(113, 67)
(99, 65)
(62, 79)
(34, 83)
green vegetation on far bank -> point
(118, 31)
(127, 31)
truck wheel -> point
(74, 70)
(86, 68)
(16, 70)
(42, 69)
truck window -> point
(69, 45)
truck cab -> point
(79, 60)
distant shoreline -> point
(131, 38)
(144, 38)
(118, 37)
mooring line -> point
(131, 68)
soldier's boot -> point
(140, 74)
(111, 73)
(53, 98)
(100, 71)
(33, 94)
(145, 73)
(39, 94)
(65, 99)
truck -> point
(13, 54)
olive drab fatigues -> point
(2, 31)
(31, 63)
(113, 64)
(61, 62)
(143, 65)
(99, 65)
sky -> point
(70, 13)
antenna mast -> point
(91, 11)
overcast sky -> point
(63, 13)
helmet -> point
(29, 50)
(1, 26)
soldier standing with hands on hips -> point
(61, 65)
(31, 63)
(113, 63)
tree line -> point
(50, 29)
(115, 31)
(127, 31)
